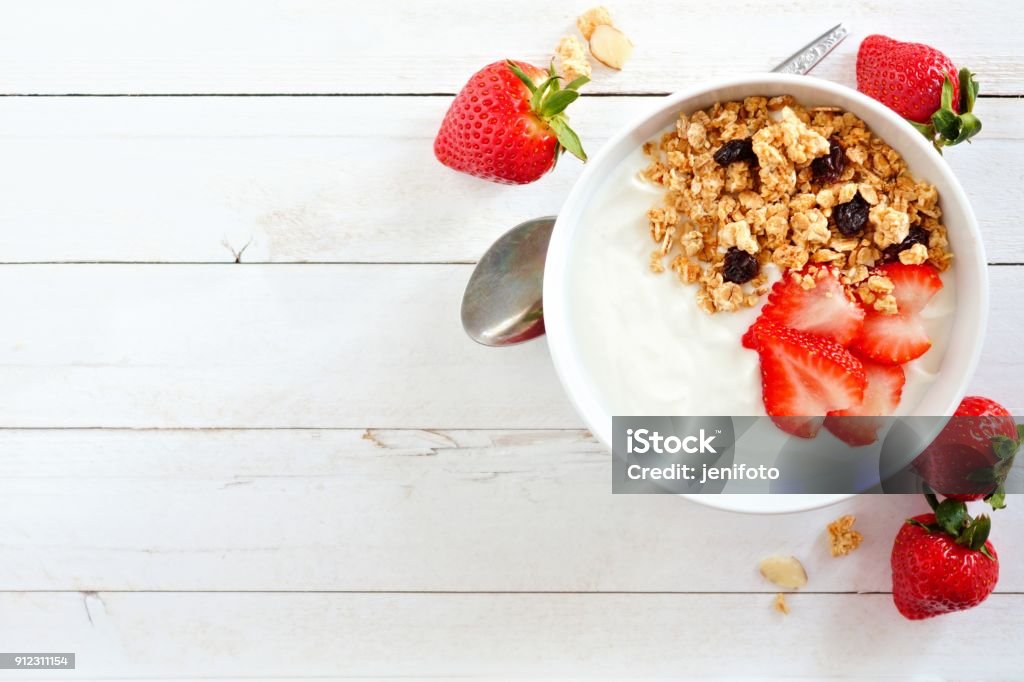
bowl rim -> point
(555, 292)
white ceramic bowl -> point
(969, 270)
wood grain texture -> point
(323, 180)
(263, 346)
(339, 346)
(319, 46)
(140, 636)
(452, 519)
(398, 510)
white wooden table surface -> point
(242, 434)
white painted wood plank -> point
(341, 346)
(398, 510)
(352, 635)
(321, 179)
(265, 346)
(237, 46)
(201, 179)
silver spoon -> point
(502, 304)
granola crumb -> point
(858, 273)
(842, 538)
(880, 284)
(570, 59)
(790, 257)
(738, 234)
(687, 270)
(656, 264)
(591, 19)
(886, 304)
(780, 604)
(915, 255)
(891, 226)
(692, 243)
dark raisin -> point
(828, 168)
(917, 235)
(735, 150)
(740, 266)
(852, 216)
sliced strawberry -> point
(804, 377)
(854, 431)
(882, 393)
(914, 284)
(892, 339)
(899, 338)
(749, 339)
(859, 425)
(825, 309)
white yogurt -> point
(646, 346)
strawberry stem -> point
(997, 499)
(1005, 449)
(975, 534)
(947, 127)
(567, 137)
(968, 91)
(951, 518)
(994, 477)
(576, 84)
(531, 86)
(557, 103)
(549, 100)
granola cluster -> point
(571, 59)
(775, 207)
(607, 44)
(842, 538)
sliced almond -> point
(610, 46)
(784, 571)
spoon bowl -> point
(503, 302)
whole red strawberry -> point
(916, 69)
(922, 85)
(508, 124)
(974, 452)
(943, 562)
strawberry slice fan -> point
(829, 360)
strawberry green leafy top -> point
(947, 127)
(549, 100)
